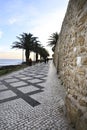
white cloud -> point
(47, 25)
(12, 20)
(1, 33)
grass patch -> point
(11, 68)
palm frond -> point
(53, 39)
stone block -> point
(83, 102)
(81, 28)
(74, 114)
(83, 18)
(84, 61)
(82, 123)
(80, 71)
(74, 62)
(82, 49)
(72, 111)
(80, 4)
(80, 40)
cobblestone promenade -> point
(32, 99)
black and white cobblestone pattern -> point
(32, 99)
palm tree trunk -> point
(36, 57)
(27, 54)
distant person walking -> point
(30, 61)
(46, 60)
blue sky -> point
(39, 17)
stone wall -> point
(70, 58)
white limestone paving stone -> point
(28, 89)
(2, 87)
(6, 94)
(26, 78)
(11, 80)
(17, 84)
(35, 80)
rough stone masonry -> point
(70, 58)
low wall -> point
(70, 59)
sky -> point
(39, 17)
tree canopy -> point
(53, 40)
(30, 43)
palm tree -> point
(30, 43)
(26, 42)
(39, 50)
(53, 40)
(43, 52)
(36, 46)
